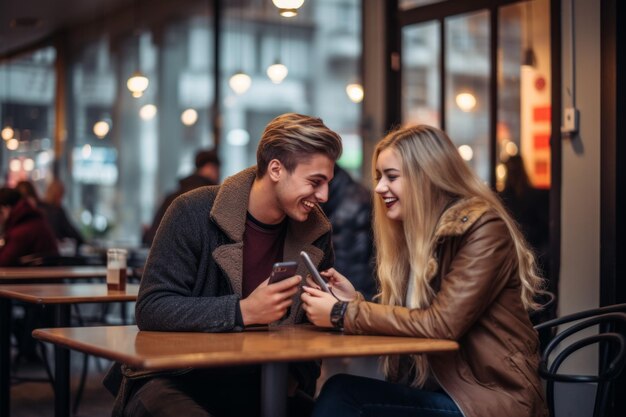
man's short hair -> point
(9, 196)
(207, 157)
(292, 138)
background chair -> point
(611, 339)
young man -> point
(210, 260)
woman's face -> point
(389, 182)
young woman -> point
(451, 265)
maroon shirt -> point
(262, 247)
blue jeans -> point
(349, 395)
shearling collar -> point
(455, 221)
(231, 205)
(229, 213)
(459, 217)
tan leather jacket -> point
(477, 304)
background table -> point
(272, 347)
(25, 274)
(61, 297)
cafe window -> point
(459, 97)
(121, 155)
(27, 87)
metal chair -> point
(611, 339)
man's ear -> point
(275, 169)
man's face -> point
(298, 192)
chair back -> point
(611, 339)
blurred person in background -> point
(52, 208)
(349, 209)
(26, 230)
(530, 207)
(25, 233)
(207, 173)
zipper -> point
(449, 395)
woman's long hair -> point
(434, 174)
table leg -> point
(274, 390)
(5, 357)
(62, 366)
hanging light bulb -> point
(13, 144)
(288, 8)
(101, 129)
(355, 92)
(137, 84)
(8, 132)
(240, 82)
(277, 72)
(466, 101)
(148, 111)
(189, 117)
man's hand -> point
(268, 303)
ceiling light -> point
(288, 8)
(28, 164)
(189, 117)
(148, 111)
(511, 148)
(277, 72)
(137, 84)
(466, 151)
(355, 92)
(240, 82)
(466, 101)
(15, 165)
(13, 144)
(7, 132)
(101, 129)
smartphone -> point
(282, 270)
(313, 270)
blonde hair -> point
(292, 138)
(434, 174)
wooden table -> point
(61, 297)
(28, 274)
(272, 347)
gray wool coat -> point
(192, 281)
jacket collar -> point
(460, 216)
(229, 214)
(455, 221)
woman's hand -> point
(317, 305)
(341, 287)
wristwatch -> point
(337, 313)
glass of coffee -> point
(116, 269)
